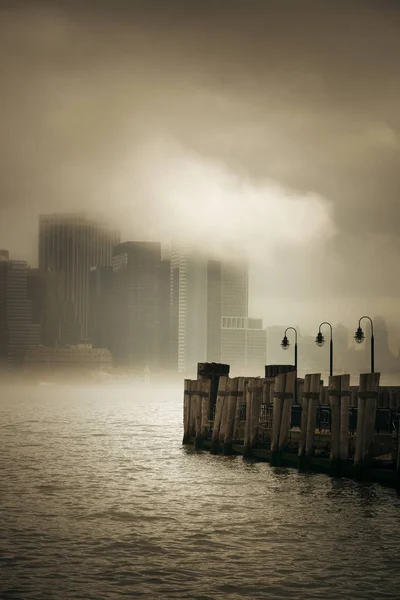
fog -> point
(268, 129)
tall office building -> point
(165, 359)
(188, 309)
(18, 332)
(234, 290)
(243, 343)
(227, 296)
(101, 305)
(71, 244)
(136, 326)
(232, 336)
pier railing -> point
(285, 413)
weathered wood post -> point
(221, 398)
(231, 400)
(366, 415)
(338, 389)
(239, 404)
(288, 400)
(313, 397)
(310, 398)
(281, 413)
(344, 439)
(202, 399)
(334, 401)
(279, 390)
(196, 403)
(186, 412)
(254, 394)
(398, 454)
(304, 419)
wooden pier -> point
(338, 429)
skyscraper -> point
(165, 359)
(136, 326)
(227, 296)
(18, 332)
(101, 305)
(188, 309)
(71, 244)
(232, 336)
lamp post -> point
(359, 338)
(285, 344)
(320, 340)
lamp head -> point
(285, 343)
(320, 340)
(359, 335)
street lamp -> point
(359, 338)
(285, 344)
(320, 341)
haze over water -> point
(100, 500)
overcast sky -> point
(265, 127)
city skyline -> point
(219, 290)
(289, 156)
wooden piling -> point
(279, 390)
(196, 403)
(281, 414)
(257, 398)
(398, 455)
(254, 397)
(313, 397)
(186, 412)
(247, 399)
(366, 415)
(231, 400)
(221, 398)
(370, 416)
(344, 419)
(305, 398)
(239, 404)
(339, 396)
(288, 399)
(205, 399)
(334, 401)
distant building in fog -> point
(43, 360)
(17, 328)
(136, 324)
(227, 296)
(164, 344)
(232, 336)
(243, 343)
(71, 244)
(188, 309)
(101, 306)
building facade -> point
(18, 331)
(188, 309)
(101, 305)
(71, 244)
(136, 324)
(44, 361)
(243, 343)
(227, 296)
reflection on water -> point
(99, 500)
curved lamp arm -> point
(325, 323)
(370, 320)
(295, 333)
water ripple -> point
(99, 500)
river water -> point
(98, 499)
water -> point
(99, 500)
